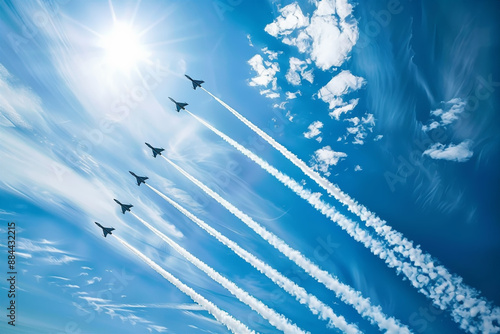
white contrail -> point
(344, 292)
(323, 311)
(472, 311)
(274, 318)
(234, 325)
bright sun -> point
(123, 48)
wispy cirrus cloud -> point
(19, 106)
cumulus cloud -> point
(447, 114)
(271, 55)
(324, 158)
(459, 153)
(290, 19)
(313, 129)
(360, 128)
(344, 109)
(343, 83)
(291, 96)
(265, 75)
(298, 71)
(328, 37)
(358, 168)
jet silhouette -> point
(125, 207)
(178, 105)
(156, 151)
(105, 230)
(196, 83)
(140, 179)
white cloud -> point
(358, 168)
(378, 137)
(343, 83)
(291, 96)
(93, 280)
(355, 120)
(324, 158)
(269, 93)
(271, 55)
(37, 246)
(290, 19)
(298, 71)
(24, 255)
(94, 299)
(446, 115)
(328, 37)
(459, 153)
(159, 329)
(314, 129)
(344, 109)
(360, 128)
(266, 76)
(55, 260)
(332, 39)
(249, 40)
(281, 105)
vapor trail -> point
(274, 318)
(234, 325)
(323, 311)
(470, 310)
(344, 292)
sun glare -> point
(123, 48)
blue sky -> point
(393, 102)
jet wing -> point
(180, 105)
(157, 151)
(107, 231)
(197, 83)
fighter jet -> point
(156, 151)
(125, 207)
(196, 83)
(105, 230)
(140, 179)
(178, 105)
